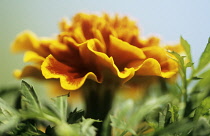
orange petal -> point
(26, 40)
(150, 67)
(123, 53)
(28, 71)
(70, 78)
(101, 64)
(31, 56)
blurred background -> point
(165, 18)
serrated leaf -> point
(9, 124)
(59, 107)
(26, 129)
(75, 116)
(30, 99)
(6, 109)
(205, 57)
(202, 109)
(187, 49)
(87, 129)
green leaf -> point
(29, 100)
(189, 64)
(202, 127)
(187, 49)
(196, 78)
(180, 128)
(9, 117)
(60, 105)
(202, 109)
(86, 128)
(75, 116)
(205, 57)
(26, 129)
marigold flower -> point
(100, 48)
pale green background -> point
(166, 18)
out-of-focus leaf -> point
(9, 117)
(180, 128)
(130, 115)
(86, 127)
(75, 116)
(29, 100)
(205, 57)
(59, 106)
(202, 127)
(174, 113)
(26, 129)
(187, 49)
(202, 109)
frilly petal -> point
(70, 78)
(31, 56)
(29, 71)
(123, 53)
(150, 67)
(101, 63)
(26, 40)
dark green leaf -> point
(205, 57)
(196, 78)
(75, 116)
(26, 129)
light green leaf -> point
(189, 64)
(86, 127)
(205, 57)
(29, 100)
(9, 117)
(202, 109)
(67, 130)
(59, 106)
(187, 49)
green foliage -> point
(33, 113)
(177, 109)
(205, 57)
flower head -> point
(100, 48)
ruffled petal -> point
(168, 66)
(101, 64)
(26, 40)
(31, 56)
(149, 67)
(28, 71)
(70, 78)
(123, 53)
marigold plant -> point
(97, 53)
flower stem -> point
(98, 101)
